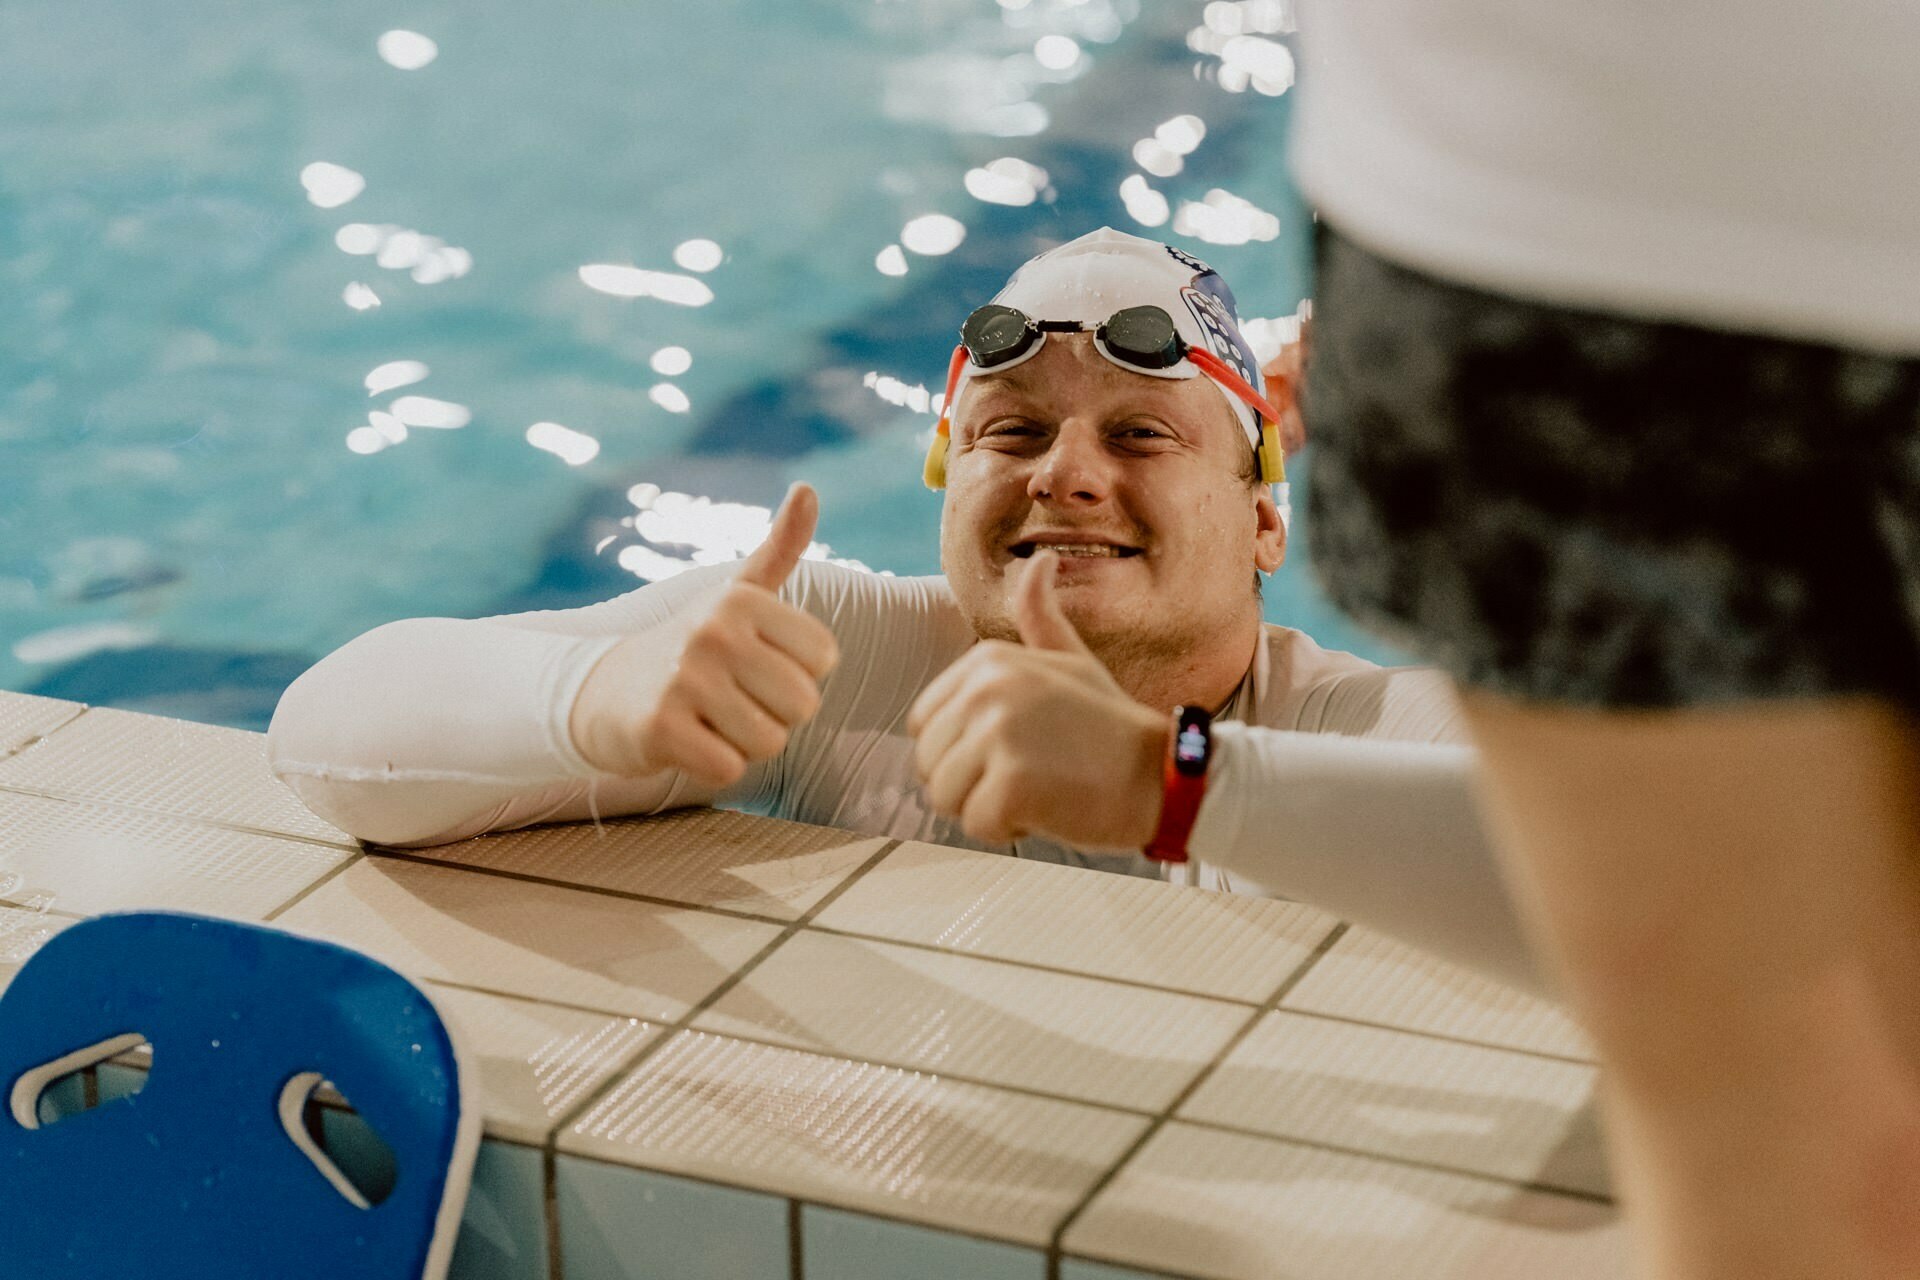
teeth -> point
(1077, 548)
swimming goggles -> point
(1142, 339)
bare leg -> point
(1729, 898)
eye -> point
(1144, 431)
(1009, 427)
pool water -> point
(316, 312)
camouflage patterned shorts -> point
(1583, 508)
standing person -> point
(1617, 416)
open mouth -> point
(1101, 550)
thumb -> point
(787, 540)
(1036, 609)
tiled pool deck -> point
(722, 1047)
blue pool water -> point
(198, 493)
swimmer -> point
(1109, 469)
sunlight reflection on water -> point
(649, 227)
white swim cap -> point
(1087, 280)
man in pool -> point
(1107, 465)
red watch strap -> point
(1179, 807)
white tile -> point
(1232, 1207)
(982, 1019)
(1087, 921)
(84, 859)
(166, 766)
(1391, 1093)
(24, 717)
(535, 1061)
(902, 1144)
(24, 931)
(566, 946)
(707, 857)
(1372, 978)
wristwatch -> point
(1184, 783)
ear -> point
(1270, 531)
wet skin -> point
(1070, 448)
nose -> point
(1074, 469)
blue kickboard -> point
(207, 1170)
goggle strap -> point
(1217, 369)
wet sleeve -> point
(1378, 825)
(434, 729)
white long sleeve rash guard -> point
(1334, 781)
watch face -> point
(1192, 742)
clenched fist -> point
(1038, 737)
(748, 674)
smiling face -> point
(1140, 482)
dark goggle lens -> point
(994, 335)
(1143, 336)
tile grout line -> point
(1408, 1162)
(1445, 1037)
(1056, 1242)
(1294, 979)
(34, 739)
(807, 920)
(1025, 1091)
(12, 905)
(543, 1001)
(555, 1263)
(527, 877)
(327, 876)
(1136, 983)
(190, 819)
(550, 1205)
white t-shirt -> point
(1743, 166)
(1334, 781)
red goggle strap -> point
(1217, 369)
(954, 366)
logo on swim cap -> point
(1212, 304)
(1223, 334)
(1182, 256)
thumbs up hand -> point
(1037, 737)
(748, 674)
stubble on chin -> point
(1127, 648)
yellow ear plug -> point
(1272, 458)
(935, 472)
